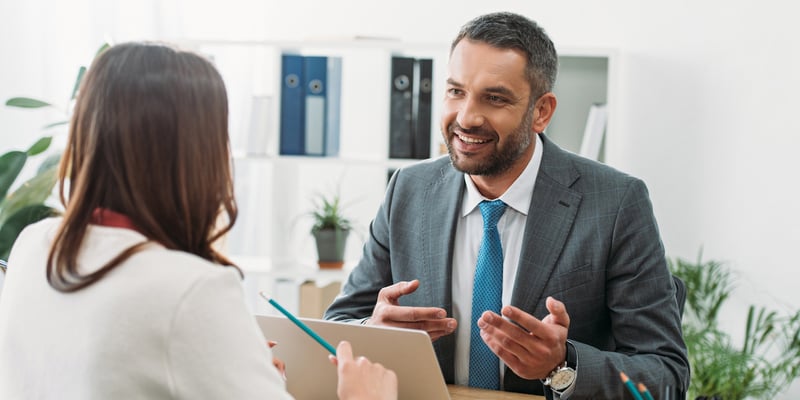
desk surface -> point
(468, 393)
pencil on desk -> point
(643, 390)
(629, 384)
(299, 323)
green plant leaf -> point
(35, 191)
(769, 358)
(81, 72)
(51, 161)
(55, 124)
(18, 221)
(26, 102)
(40, 146)
(11, 164)
(103, 47)
(327, 214)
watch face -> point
(562, 379)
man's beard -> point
(503, 158)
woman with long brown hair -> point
(125, 296)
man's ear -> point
(543, 111)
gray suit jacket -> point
(591, 241)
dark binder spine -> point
(401, 110)
(422, 121)
(292, 123)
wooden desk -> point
(468, 393)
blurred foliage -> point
(26, 203)
(765, 364)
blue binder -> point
(316, 74)
(322, 105)
(333, 106)
(292, 136)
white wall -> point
(706, 115)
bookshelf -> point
(274, 191)
(585, 77)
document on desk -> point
(310, 375)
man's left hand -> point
(531, 348)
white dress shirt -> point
(469, 232)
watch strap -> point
(572, 363)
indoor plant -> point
(330, 230)
(26, 204)
(767, 361)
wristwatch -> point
(561, 380)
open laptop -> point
(311, 376)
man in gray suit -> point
(586, 293)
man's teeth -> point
(471, 140)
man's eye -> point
(496, 99)
(454, 92)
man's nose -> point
(470, 114)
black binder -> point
(422, 120)
(401, 142)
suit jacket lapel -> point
(442, 206)
(550, 217)
(438, 219)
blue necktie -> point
(487, 290)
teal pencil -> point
(302, 326)
(643, 390)
(629, 384)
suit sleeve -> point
(644, 316)
(373, 272)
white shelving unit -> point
(585, 77)
(274, 192)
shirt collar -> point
(518, 196)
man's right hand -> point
(388, 312)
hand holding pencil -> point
(358, 377)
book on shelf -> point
(594, 131)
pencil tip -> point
(642, 387)
(623, 376)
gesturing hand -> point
(388, 312)
(533, 348)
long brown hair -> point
(148, 139)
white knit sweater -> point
(163, 325)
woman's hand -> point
(277, 362)
(361, 379)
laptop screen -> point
(311, 376)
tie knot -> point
(491, 212)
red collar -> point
(106, 217)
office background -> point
(706, 98)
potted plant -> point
(766, 363)
(330, 230)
